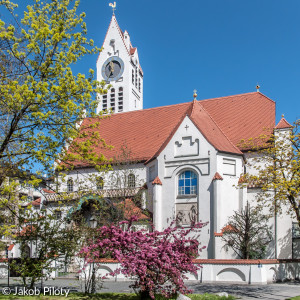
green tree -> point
(42, 102)
(43, 239)
(247, 233)
(276, 161)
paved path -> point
(276, 291)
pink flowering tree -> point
(157, 260)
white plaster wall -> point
(203, 163)
(234, 273)
(283, 228)
(228, 201)
(85, 178)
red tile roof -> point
(283, 123)
(224, 122)
(48, 191)
(10, 247)
(132, 50)
(227, 228)
(130, 210)
(217, 177)
(36, 202)
(156, 181)
(242, 116)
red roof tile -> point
(210, 129)
(132, 50)
(227, 228)
(283, 123)
(242, 116)
(224, 122)
(10, 247)
(156, 181)
(130, 210)
(217, 177)
(48, 191)
(36, 202)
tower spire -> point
(113, 5)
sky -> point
(218, 47)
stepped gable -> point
(223, 121)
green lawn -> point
(112, 296)
(294, 298)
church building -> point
(185, 158)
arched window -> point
(100, 183)
(120, 99)
(187, 183)
(131, 181)
(70, 185)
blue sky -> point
(219, 47)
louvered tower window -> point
(113, 99)
(120, 99)
(104, 102)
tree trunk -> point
(145, 295)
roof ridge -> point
(237, 95)
(217, 127)
(144, 109)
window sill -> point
(186, 196)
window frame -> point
(192, 187)
(100, 184)
(131, 181)
(70, 183)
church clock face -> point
(113, 68)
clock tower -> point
(118, 64)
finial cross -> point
(113, 5)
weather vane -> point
(113, 5)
